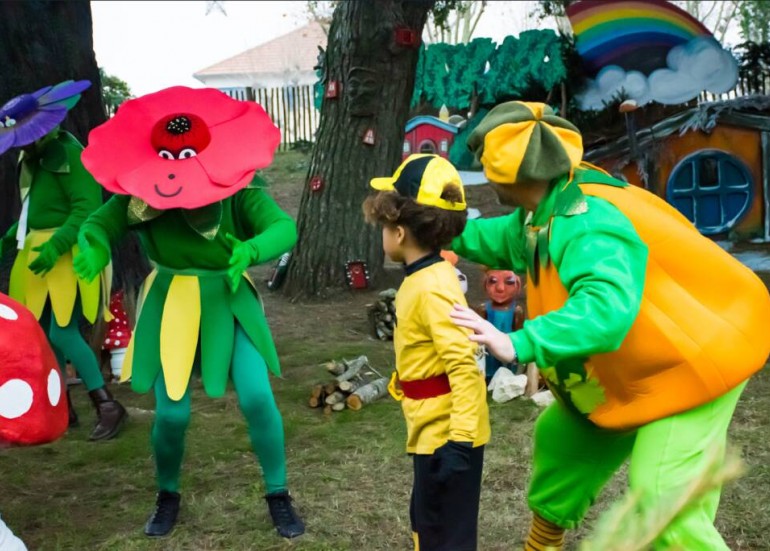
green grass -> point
(348, 472)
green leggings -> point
(574, 459)
(68, 342)
(255, 397)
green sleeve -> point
(108, 224)
(85, 196)
(269, 231)
(495, 242)
(602, 262)
(11, 233)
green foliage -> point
(525, 67)
(552, 8)
(753, 66)
(754, 20)
(114, 91)
(459, 154)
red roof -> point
(297, 51)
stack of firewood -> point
(382, 315)
(355, 384)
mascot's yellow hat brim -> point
(525, 142)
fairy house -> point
(711, 162)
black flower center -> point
(179, 125)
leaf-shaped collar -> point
(205, 221)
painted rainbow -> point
(633, 34)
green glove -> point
(47, 259)
(91, 260)
(8, 241)
(244, 255)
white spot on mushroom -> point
(117, 343)
(119, 333)
(8, 313)
(54, 387)
(15, 398)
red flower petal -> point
(252, 137)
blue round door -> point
(713, 189)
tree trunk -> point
(44, 42)
(376, 79)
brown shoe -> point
(111, 415)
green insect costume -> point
(646, 357)
(57, 195)
(199, 310)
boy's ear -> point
(400, 234)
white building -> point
(284, 61)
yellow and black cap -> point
(423, 177)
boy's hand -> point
(450, 459)
(498, 343)
(46, 260)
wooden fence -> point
(292, 109)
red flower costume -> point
(181, 148)
(182, 163)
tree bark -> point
(377, 80)
(44, 42)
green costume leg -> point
(573, 460)
(168, 432)
(669, 453)
(250, 378)
(68, 342)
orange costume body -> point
(693, 339)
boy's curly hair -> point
(431, 227)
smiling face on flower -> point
(181, 147)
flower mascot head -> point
(181, 147)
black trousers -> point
(445, 516)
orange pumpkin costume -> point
(629, 333)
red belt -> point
(422, 389)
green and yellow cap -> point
(521, 141)
(423, 177)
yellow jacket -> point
(428, 344)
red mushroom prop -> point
(33, 401)
(118, 334)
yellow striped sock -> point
(416, 539)
(544, 536)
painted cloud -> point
(701, 64)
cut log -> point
(335, 368)
(353, 367)
(368, 394)
(327, 410)
(352, 386)
(315, 402)
(330, 388)
(339, 406)
(334, 398)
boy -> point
(422, 208)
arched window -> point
(427, 146)
(713, 189)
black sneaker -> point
(285, 519)
(163, 518)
